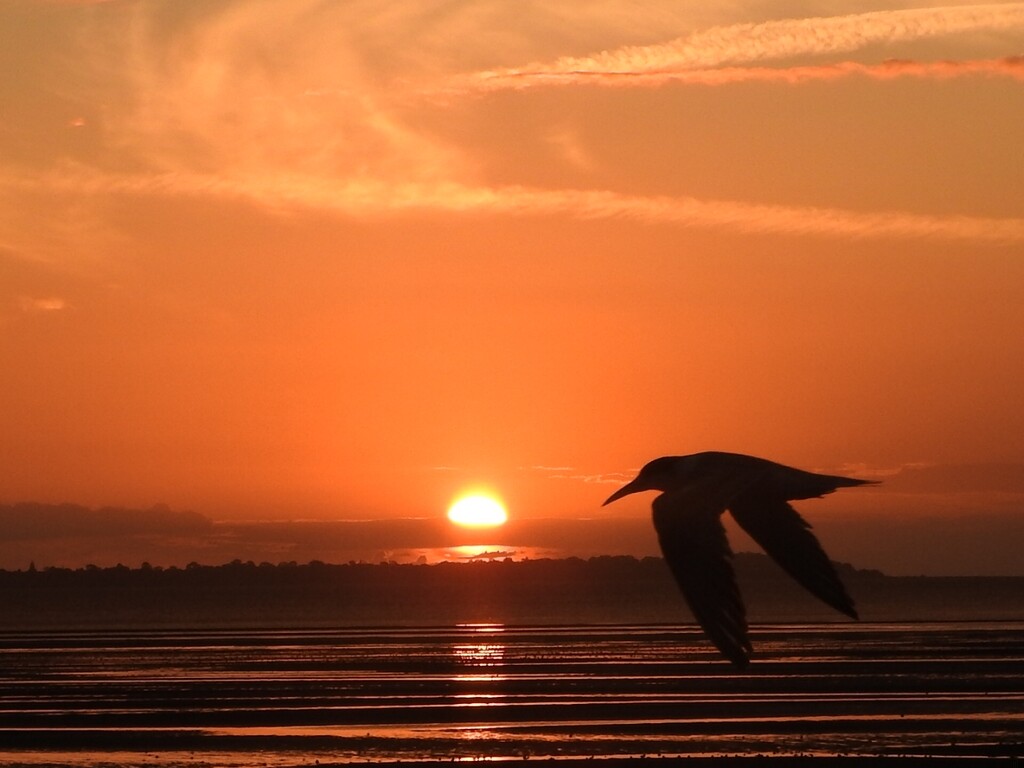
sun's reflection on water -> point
(481, 658)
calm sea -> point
(276, 698)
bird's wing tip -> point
(739, 661)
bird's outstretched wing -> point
(787, 538)
(689, 527)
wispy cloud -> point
(243, 87)
(771, 40)
(41, 304)
(374, 197)
(206, 116)
(615, 478)
(576, 474)
(872, 472)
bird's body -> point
(696, 490)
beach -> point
(816, 693)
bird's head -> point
(657, 475)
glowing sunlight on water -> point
(226, 699)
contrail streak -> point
(1008, 67)
(769, 40)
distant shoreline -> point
(608, 589)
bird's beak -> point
(628, 488)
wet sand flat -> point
(819, 693)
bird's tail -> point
(797, 484)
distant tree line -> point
(610, 589)
(604, 567)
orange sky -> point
(335, 260)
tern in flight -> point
(696, 490)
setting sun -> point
(477, 510)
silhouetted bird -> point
(696, 490)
